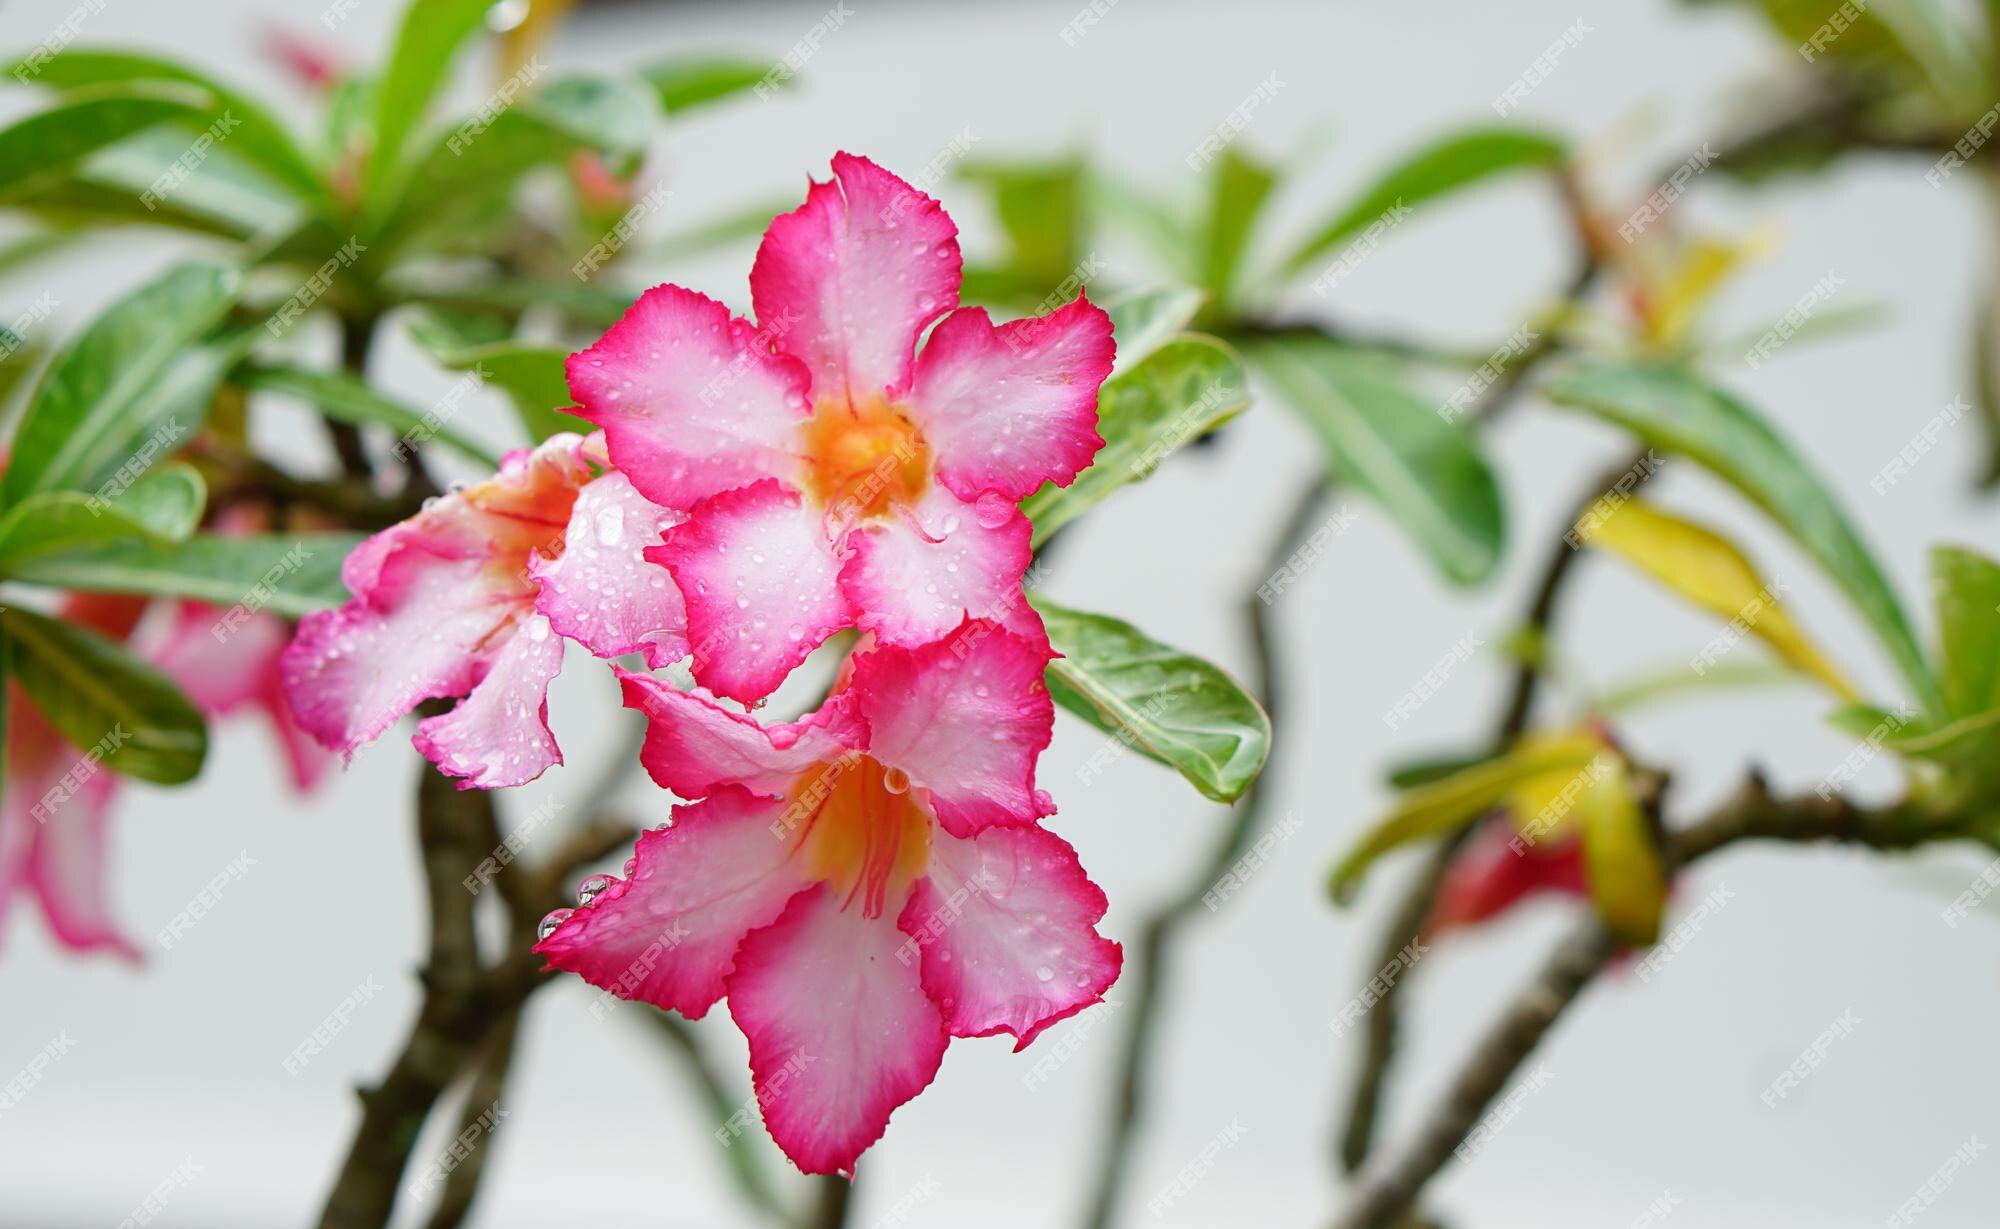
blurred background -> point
(1652, 1089)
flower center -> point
(864, 834)
(862, 459)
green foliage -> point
(98, 696)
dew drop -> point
(555, 918)
(895, 780)
(590, 889)
(610, 525)
(1045, 973)
(992, 509)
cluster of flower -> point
(872, 880)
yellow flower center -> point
(861, 460)
(862, 832)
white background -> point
(1652, 1088)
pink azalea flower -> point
(833, 476)
(863, 885)
(472, 597)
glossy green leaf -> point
(1428, 473)
(1238, 188)
(341, 396)
(101, 698)
(162, 508)
(1144, 320)
(685, 83)
(1673, 409)
(1168, 705)
(531, 375)
(1460, 160)
(286, 574)
(1449, 803)
(41, 150)
(132, 388)
(252, 131)
(1182, 392)
(1967, 588)
(429, 39)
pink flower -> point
(863, 885)
(1498, 869)
(833, 476)
(472, 597)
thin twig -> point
(1144, 976)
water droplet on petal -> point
(610, 525)
(555, 918)
(895, 780)
(592, 888)
(1045, 973)
(993, 509)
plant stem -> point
(489, 1081)
(1145, 976)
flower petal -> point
(965, 717)
(916, 582)
(1498, 869)
(498, 736)
(761, 584)
(692, 401)
(849, 280)
(1008, 408)
(1006, 925)
(841, 1031)
(224, 665)
(668, 935)
(69, 870)
(600, 591)
(695, 746)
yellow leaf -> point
(1453, 801)
(1541, 805)
(1627, 883)
(1707, 569)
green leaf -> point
(1127, 208)
(162, 508)
(98, 696)
(1182, 392)
(1144, 320)
(39, 151)
(1428, 473)
(255, 133)
(1449, 803)
(1172, 707)
(1967, 587)
(585, 305)
(1672, 408)
(1986, 382)
(341, 396)
(736, 226)
(286, 574)
(685, 83)
(532, 375)
(136, 384)
(429, 39)
(1237, 192)
(1039, 206)
(1458, 161)
(466, 173)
